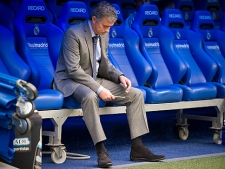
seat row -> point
(178, 57)
(216, 8)
(55, 7)
(175, 67)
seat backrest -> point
(10, 61)
(147, 25)
(173, 20)
(187, 9)
(73, 12)
(38, 41)
(124, 49)
(213, 7)
(204, 25)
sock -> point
(137, 141)
(100, 146)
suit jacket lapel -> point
(103, 49)
(102, 44)
(88, 38)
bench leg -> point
(58, 150)
(217, 123)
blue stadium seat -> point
(213, 7)
(118, 54)
(194, 79)
(148, 27)
(212, 41)
(124, 47)
(38, 42)
(8, 53)
(10, 64)
(187, 9)
(73, 12)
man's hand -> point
(126, 82)
(106, 95)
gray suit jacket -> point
(74, 66)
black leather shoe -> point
(104, 160)
(142, 153)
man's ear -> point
(93, 19)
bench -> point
(58, 118)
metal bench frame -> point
(58, 117)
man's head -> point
(138, 3)
(103, 16)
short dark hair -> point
(104, 9)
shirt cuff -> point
(99, 90)
(119, 77)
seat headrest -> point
(73, 12)
(33, 16)
(148, 20)
(186, 7)
(173, 20)
(213, 6)
(117, 30)
(203, 23)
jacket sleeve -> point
(107, 69)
